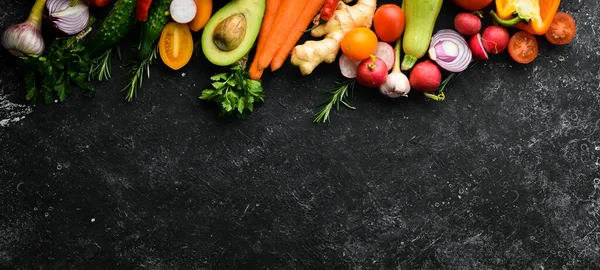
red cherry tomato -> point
(388, 22)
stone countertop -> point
(503, 174)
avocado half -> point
(253, 11)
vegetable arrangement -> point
(247, 37)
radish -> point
(371, 72)
(477, 48)
(183, 11)
(467, 23)
(425, 77)
(348, 66)
(386, 53)
(495, 39)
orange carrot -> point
(289, 11)
(253, 71)
(303, 21)
(271, 10)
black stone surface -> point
(503, 174)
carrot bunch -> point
(283, 24)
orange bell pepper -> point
(533, 16)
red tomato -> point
(472, 4)
(388, 22)
(562, 30)
(359, 43)
(97, 3)
(523, 47)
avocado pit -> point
(230, 33)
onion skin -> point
(66, 19)
(448, 38)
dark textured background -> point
(503, 174)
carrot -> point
(272, 8)
(141, 9)
(286, 17)
(305, 18)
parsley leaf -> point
(235, 92)
(51, 76)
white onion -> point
(67, 19)
(450, 50)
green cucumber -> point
(421, 16)
(115, 27)
(151, 29)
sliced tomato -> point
(176, 45)
(562, 30)
(523, 47)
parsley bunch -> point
(235, 92)
(49, 77)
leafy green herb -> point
(235, 92)
(337, 95)
(137, 75)
(51, 76)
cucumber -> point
(115, 27)
(151, 29)
(421, 16)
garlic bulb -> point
(26, 38)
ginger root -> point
(345, 18)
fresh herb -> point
(137, 75)
(49, 77)
(235, 92)
(100, 69)
(438, 94)
(337, 95)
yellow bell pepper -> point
(533, 16)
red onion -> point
(67, 19)
(450, 50)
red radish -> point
(495, 39)
(425, 77)
(386, 53)
(371, 72)
(477, 49)
(348, 66)
(467, 23)
(183, 11)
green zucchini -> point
(421, 16)
(151, 29)
(115, 27)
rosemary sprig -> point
(337, 95)
(137, 75)
(101, 67)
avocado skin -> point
(253, 10)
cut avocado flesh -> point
(253, 11)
